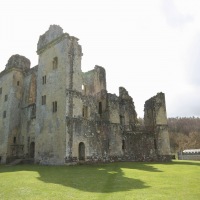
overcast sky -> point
(146, 46)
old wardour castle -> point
(56, 114)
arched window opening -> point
(55, 62)
(84, 89)
(32, 149)
(81, 151)
(14, 140)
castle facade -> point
(56, 114)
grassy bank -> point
(175, 180)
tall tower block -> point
(155, 119)
(11, 94)
(59, 64)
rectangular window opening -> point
(100, 108)
(1, 90)
(17, 83)
(44, 100)
(123, 144)
(85, 112)
(4, 114)
(54, 106)
(155, 144)
(6, 97)
(55, 62)
(14, 140)
(44, 80)
(122, 120)
(84, 89)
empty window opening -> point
(14, 140)
(123, 144)
(18, 83)
(100, 108)
(122, 121)
(85, 112)
(84, 89)
(1, 90)
(33, 111)
(4, 114)
(44, 80)
(108, 144)
(81, 150)
(54, 106)
(44, 100)
(55, 62)
(6, 97)
(32, 149)
(155, 144)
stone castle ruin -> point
(56, 114)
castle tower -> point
(11, 94)
(155, 119)
(59, 65)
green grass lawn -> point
(175, 180)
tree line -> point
(184, 133)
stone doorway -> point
(32, 149)
(81, 149)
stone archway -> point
(32, 149)
(81, 150)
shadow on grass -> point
(140, 166)
(184, 162)
(102, 178)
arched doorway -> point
(81, 150)
(32, 149)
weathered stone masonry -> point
(56, 114)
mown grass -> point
(175, 180)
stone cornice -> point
(53, 42)
(4, 72)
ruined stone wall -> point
(58, 114)
(127, 109)
(28, 112)
(139, 146)
(12, 79)
(94, 80)
(14, 145)
(101, 139)
(11, 97)
(74, 86)
(19, 62)
(94, 83)
(5, 85)
(114, 108)
(155, 111)
(155, 120)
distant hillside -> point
(184, 133)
